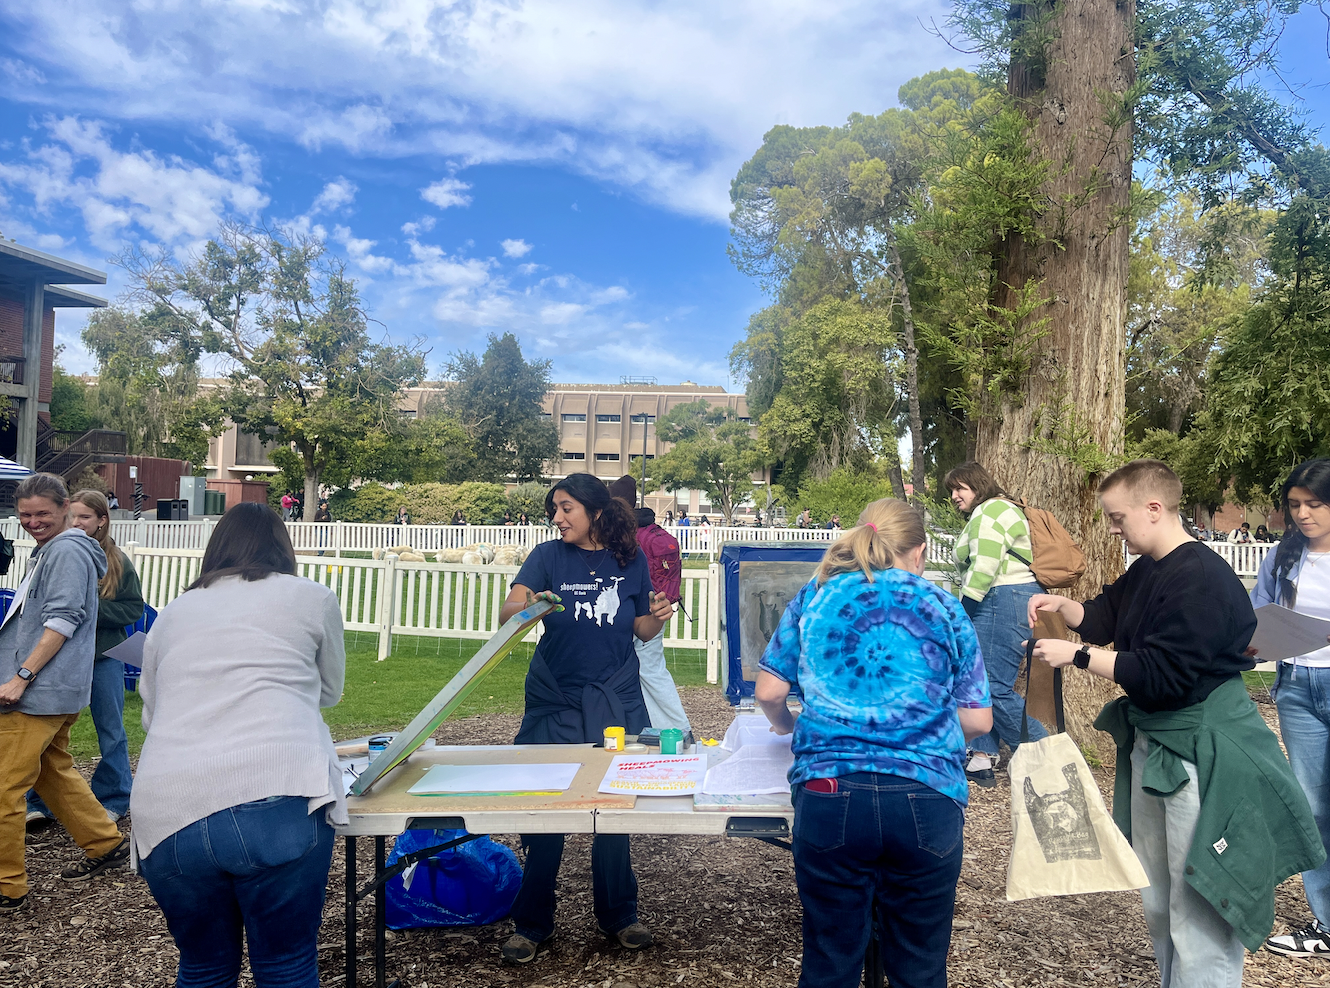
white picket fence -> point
(389, 597)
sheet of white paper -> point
(538, 777)
(751, 729)
(130, 650)
(655, 775)
(1282, 633)
(753, 770)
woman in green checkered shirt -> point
(992, 554)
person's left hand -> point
(661, 607)
(12, 691)
(1056, 652)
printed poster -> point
(655, 775)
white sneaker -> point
(1310, 941)
(36, 820)
(113, 816)
(978, 762)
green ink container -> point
(671, 741)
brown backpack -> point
(1058, 560)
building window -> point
(744, 418)
(607, 418)
(639, 418)
(573, 456)
(252, 451)
(574, 416)
(607, 456)
(547, 415)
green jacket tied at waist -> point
(1255, 828)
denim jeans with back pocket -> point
(253, 873)
(879, 839)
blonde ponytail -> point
(887, 530)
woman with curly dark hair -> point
(584, 678)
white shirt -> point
(1314, 601)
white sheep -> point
(450, 555)
(411, 556)
(377, 553)
(472, 559)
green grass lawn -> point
(386, 695)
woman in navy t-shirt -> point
(583, 679)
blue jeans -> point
(254, 872)
(613, 884)
(1302, 694)
(664, 708)
(880, 839)
(1000, 622)
(112, 779)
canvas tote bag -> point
(1063, 840)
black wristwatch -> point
(1081, 660)
(26, 674)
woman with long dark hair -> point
(892, 683)
(238, 783)
(1297, 576)
(584, 678)
(993, 556)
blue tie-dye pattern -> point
(882, 668)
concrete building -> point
(601, 428)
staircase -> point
(66, 454)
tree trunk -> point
(911, 373)
(897, 481)
(312, 472)
(1048, 440)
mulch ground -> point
(724, 911)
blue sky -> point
(557, 168)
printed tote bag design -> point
(1063, 840)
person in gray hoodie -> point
(47, 646)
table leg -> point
(380, 918)
(350, 912)
(874, 973)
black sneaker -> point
(36, 821)
(1310, 941)
(519, 949)
(980, 776)
(635, 936)
(79, 871)
(10, 905)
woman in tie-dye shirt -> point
(892, 685)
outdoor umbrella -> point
(9, 470)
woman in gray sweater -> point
(238, 781)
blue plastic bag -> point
(471, 884)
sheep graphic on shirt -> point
(607, 604)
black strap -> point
(1027, 562)
(1057, 694)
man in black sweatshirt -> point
(1192, 746)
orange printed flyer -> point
(655, 775)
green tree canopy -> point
(305, 371)
(712, 451)
(148, 383)
(497, 399)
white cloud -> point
(529, 269)
(561, 313)
(515, 248)
(130, 194)
(664, 99)
(416, 227)
(361, 252)
(446, 192)
(21, 72)
(337, 194)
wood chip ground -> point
(724, 912)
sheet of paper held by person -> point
(1282, 633)
(130, 650)
(655, 775)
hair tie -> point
(869, 524)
